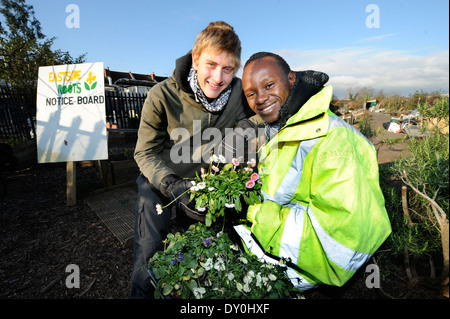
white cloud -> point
(377, 38)
(393, 71)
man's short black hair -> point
(259, 55)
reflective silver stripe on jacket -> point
(341, 255)
(297, 280)
(292, 178)
(336, 121)
(293, 232)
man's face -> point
(266, 87)
(215, 71)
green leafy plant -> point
(426, 172)
(202, 264)
(229, 186)
(393, 141)
(365, 128)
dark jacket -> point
(166, 141)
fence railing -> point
(18, 112)
(123, 110)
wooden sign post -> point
(71, 192)
(70, 117)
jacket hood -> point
(181, 73)
(307, 84)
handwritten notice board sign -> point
(70, 116)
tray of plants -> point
(202, 264)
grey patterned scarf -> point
(214, 106)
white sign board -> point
(70, 116)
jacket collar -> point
(311, 121)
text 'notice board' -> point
(70, 116)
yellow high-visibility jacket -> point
(323, 208)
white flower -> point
(272, 277)
(208, 264)
(269, 288)
(207, 282)
(258, 280)
(219, 265)
(193, 183)
(210, 189)
(243, 260)
(268, 265)
(159, 209)
(194, 189)
(230, 276)
(214, 158)
(247, 279)
(201, 209)
(229, 205)
(198, 292)
(239, 286)
(222, 159)
(201, 185)
(234, 247)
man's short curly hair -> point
(260, 55)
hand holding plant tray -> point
(219, 188)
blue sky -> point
(407, 51)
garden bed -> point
(40, 236)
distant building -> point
(369, 104)
(129, 82)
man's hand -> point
(175, 188)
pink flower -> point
(254, 177)
(252, 162)
(214, 168)
(250, 184)
(235, 161)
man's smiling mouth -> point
(214, 86)
(267, 109)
